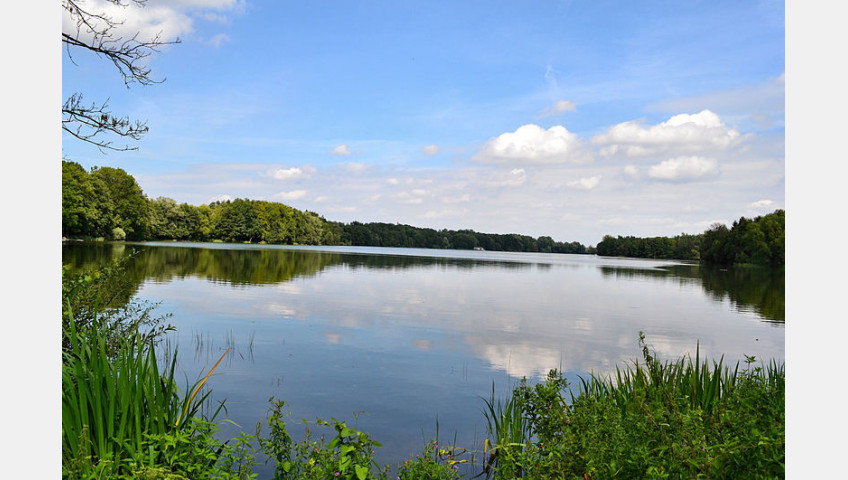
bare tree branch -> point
(98, 33)
(85, 123)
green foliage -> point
(395, 235)
(114, 398)
(195, 453)
(435, 463)
(95, 203)
(99, 302)
(760, 241)
(682, 419)
(509, 435)
(348, 455)
(87, 209)
(130, 205)
(681, 247)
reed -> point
(113, 400)
(509, 433)
(700, 384)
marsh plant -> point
(682, 419)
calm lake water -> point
(400, 340)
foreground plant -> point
(347, 456)
(682, 419)
(115, 399)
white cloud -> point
(430, 149)
(763, 102)
(532, 144)
(513, 178)
(220, 198)
(341, 151)
(762, 204)
(631, 171)
(218, 39)
(447, 213)
(460, 199)
(168, 18)
(354, 167)
(290, 173)
(683, 133)
(585, 183)
(409, 198)
(684, 169)
(558, 108)
(293, 195)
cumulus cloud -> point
(763, 102)
(341, 151)
(532, 144)
(293, 195)
(558, 108)
(683, 169)
(290, 173)
(683, 133)
(585, 183)
(430, 149)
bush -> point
(118, 233)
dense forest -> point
(108, 203)
(758, 241)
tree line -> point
(758, 241)
(108, 203)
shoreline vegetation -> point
(107, 203)
(124, 415)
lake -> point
(399, 341)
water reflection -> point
(523, 314)
(758, 290)
(409, 337)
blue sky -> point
(568, 119)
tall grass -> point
(114, 397)
(509, 430)
(698, 382)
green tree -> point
(86, 205)
(130, 205)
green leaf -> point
(361, 472)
